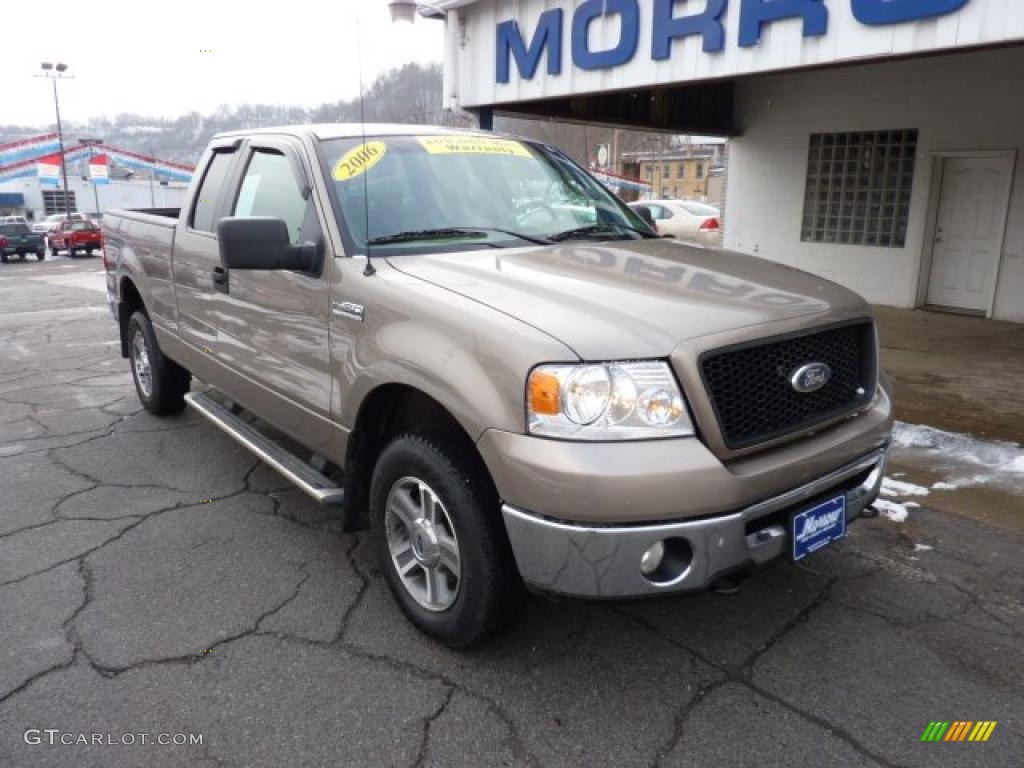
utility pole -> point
(91, 143)
(56, 73)
(152, 176)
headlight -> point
(609, 401)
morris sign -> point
(558, 31)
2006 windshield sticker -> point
(359, 160)
(473, 145)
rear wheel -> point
(40, 255)
(160, 383)
(441, 542)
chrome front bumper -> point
(604, 562)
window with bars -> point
(858, 188)
(53, 201)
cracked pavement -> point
(155, 578)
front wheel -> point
(40, 255)
(160, 383)
(441, 542)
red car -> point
(76, 236)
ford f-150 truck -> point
(497, 367)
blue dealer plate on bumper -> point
(817, 527)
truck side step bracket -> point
(317, 485)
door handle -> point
(220, 279)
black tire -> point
(168, 381)
(3, 258)
(490, 593)
(40, 255)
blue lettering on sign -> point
(629, 33)
(879, 12)
(511, 43)
(754, 13)
(666, 28)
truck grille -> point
(749, 384)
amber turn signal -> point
(545, 394)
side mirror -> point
(645, 213)
(261, 242)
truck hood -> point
(633, 299)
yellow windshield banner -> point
(359, 160)
(472, 145)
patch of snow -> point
(896, 511)
(922, 547)
(892, 487)
(963, 461)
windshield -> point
(452, 192)
(78, 226)
(15, 229)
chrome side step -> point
(288, 464)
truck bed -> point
(161, 217)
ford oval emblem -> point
(810, 377)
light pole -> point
(152, 177)
(405, 10)
(91, 144)
(56, 73)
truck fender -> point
(439, 367)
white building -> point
(27, 197)
(874, 142)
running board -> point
(288, 464)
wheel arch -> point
(130, 302)
(390, 410)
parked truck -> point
(18, 239)
(76, 235)
(497, 367)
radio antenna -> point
(370, 270)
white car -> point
(47, 225)
(685, 219)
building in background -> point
(683, 172)
(100, 178)
(874, 142)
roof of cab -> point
(352, 130)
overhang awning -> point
(12, 200)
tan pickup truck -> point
(499, 368)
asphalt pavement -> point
(157, 583)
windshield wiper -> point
(414, 235)
(596, 229)
(581, 232)
(528, 238)
(441, 233)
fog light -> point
(650, 561)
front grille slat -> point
(749, 384)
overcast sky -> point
(148, 58)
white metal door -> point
(969, 230)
